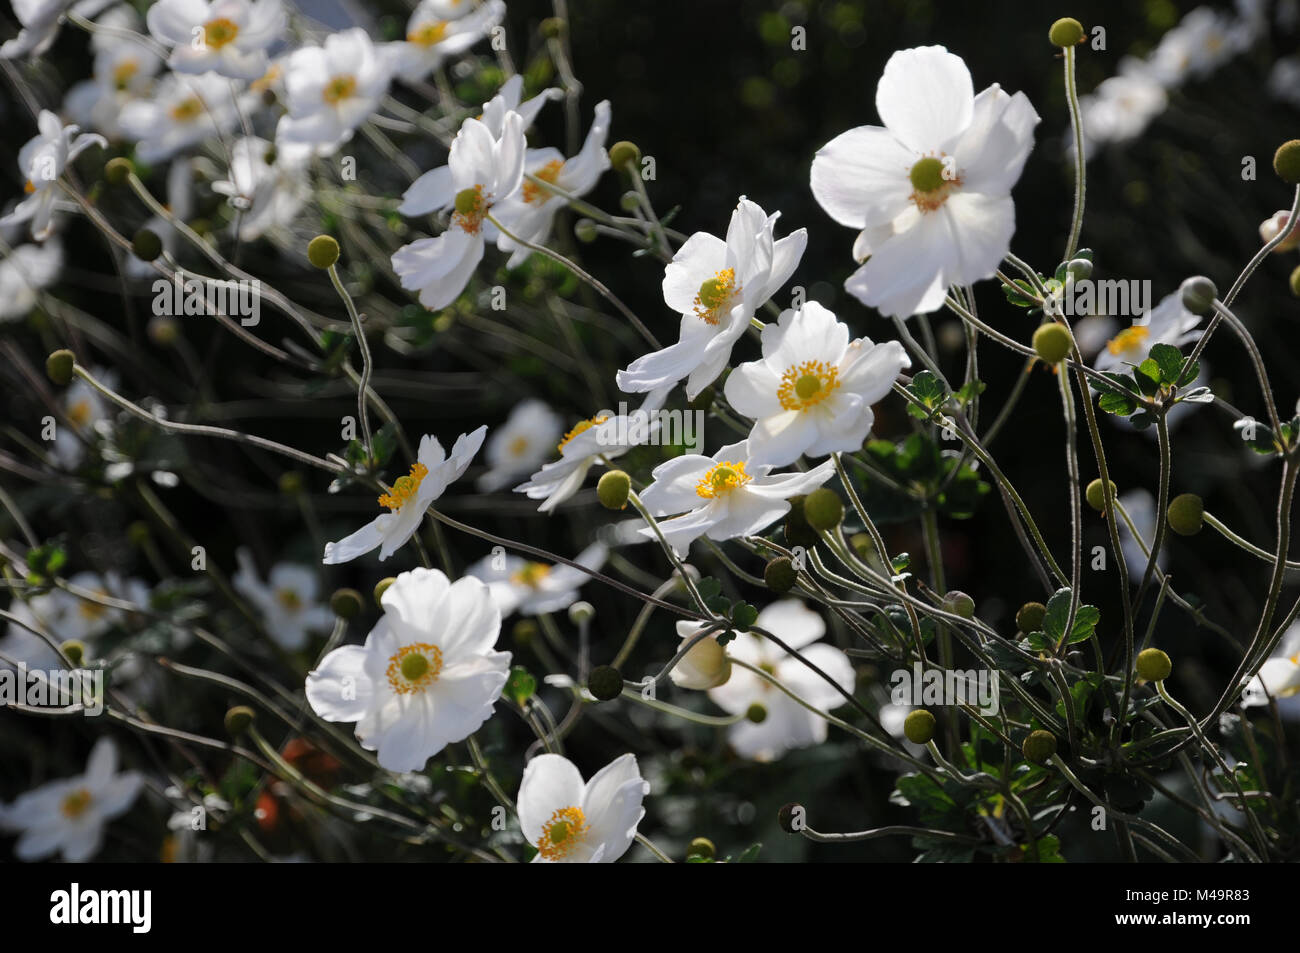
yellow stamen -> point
(339, 88)
(187, 110)
(721, 479)
(75, 804)
(714, 294)
(531, 575)
(414, 668)
(80, 413)
(533, 191)
(564, 831)
(807, 385)
(289, 599)
(269, 79)
(471, 208)
(428, 34)
(123, 73)
(1128, 339)
(220, 32)
(518, 446)
(582, 427)
(28, 187)
(405, 488)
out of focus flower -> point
(575, 823)
(269, 188)
(930, 190)
(520, 444)
(427, 676)
(330, 91)
(1141, 508)
(1203, 41)
(1169, 322)
(1122, 106)
(23, 273)
(1279, 675)
(123, 70)
(228, 37)
(40, 20)
(84, 407)
(532, 588)
(431, 36)
(288, 601)
(42, 161)
(182, 112)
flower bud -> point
(959, 603)
(780, 574)
(117, 171)
(605, 683)
(381, 587)
(918, 727)
(1270, 228)
(581, 612)
(1039, 746)
(1079, 269)
(1030, 616)
(585, 230)
(624, 153)
(238, 720)
(75, 651)
(1096, 494)
(629, 201)
(58, 366)
(323, 251)
(1186, 514)
(705, 666)
(1066, 31)
(701, 847)
(789, 818)
(823, 509)
(612, 489)
(1052, 342)
(346, 603)
(1286, 162)
(146, 245)
(1198, 293)
(1153, 665)
(756, 713)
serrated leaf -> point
(1149, 370)
(1169, 359)
(1058, 613)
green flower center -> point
(714, 292)
(414, 666)
(807, 385)
(927, 175)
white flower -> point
(931, 189)
(716, 287)
(25, 271)
(1202, 42)
(431, 36)
(532, 588)
(229, 37)
(1270, 228)
(288, 601)
(481, 170)
(529, 213)
(84, 407)
(1140, 506)
(1169, 322)
(180, 202)
(1122, 106)
(42, 161)
(604, 436)
(723, 496)
(123, 71)
(812, 392)
(705, 665)
(1280, 675)
(786, 724)
(520, 444)
(182, 112)
(508, 100)
(40, 20)
(69, 815)
(330, 91)
(269, 194)
(1284, 80)
(575, 823)
(409, 499)
(427, 676)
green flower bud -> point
(146, 245)
(1096, 494)
(701, 847)
(605, 683)
(585, 230)
(756, 713)
(780, 574)
(58, 366)
(787, 815)
(624, 153)
(918, 727)
(1286, 162)
(823, 509)
(959, 603)
(1039, 746)
(581, 611)
(238, 720)
(1030, 617)
(1198, 293)
(75, 651)
(346, 603)
(612, 489)
(1066, 31)
(1079, 269)
(381, 587)
(323, 250)
(1153, 665)
(1186, 514)
(629, 201)
(1052, 342)
(116, 171)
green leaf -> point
(901, 562)
(1022, 295)
(1150, 371)
(743, 615)
(1058, 613)
(970, 391)
(1170, 361)
(748, 856)
(709, 588)
(1118, 404)
(928, 390)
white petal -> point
(925, 97)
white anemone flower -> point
(534, 588)
(786, 724)
(182, 112)
(723, 496)
(123, 70)
(288, 601)
(706, 663)
(520, 444)
(24, 272)
(84, 407)
(1202, 42)
(427, 676)
(813, 389)
(931, 188)
(599, 438)
(1169, 322)
(42, 161)
(69, 815)
(509, 99)
(572, 822)
(1280, 675)
(716, 287)
(481, 171)
(39, 22)
(431, 36)
(1122, 106)
(227, 37)
(330, 91)
(270, 194)
(530, 212)
(409, 498)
